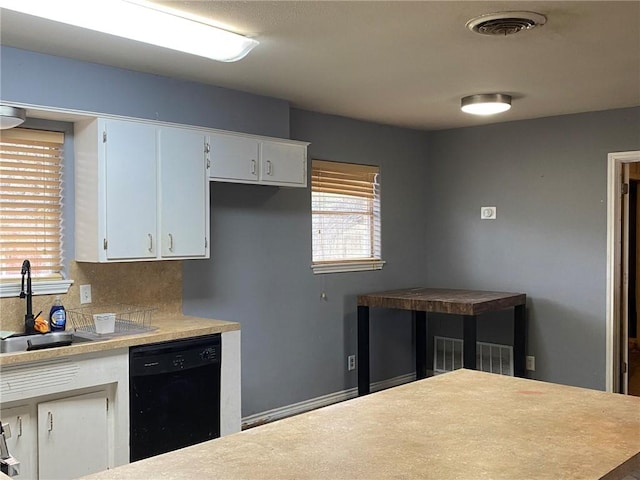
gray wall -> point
(37, 79)
(547, 177)
(294, 344)
(548, 180)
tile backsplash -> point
(154, 284)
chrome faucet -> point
(29, 321)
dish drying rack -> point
(130, 320)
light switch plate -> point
(488, 213)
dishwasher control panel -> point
(174, 356)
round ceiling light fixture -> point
(11, 117)
(505, 23)
(486, 103)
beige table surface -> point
(461, 425)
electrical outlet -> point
(531, 363)
(488, 213)
(85, 293)
(351, 362)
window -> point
(30, 204)
(345, 213)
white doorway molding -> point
(614, 265)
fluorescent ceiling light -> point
(486, 103)
(143, 22)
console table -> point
(467, 303)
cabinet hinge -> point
(208, 163)
(207, 148)
(206, 243)
(104, 137)
(104, 243)
(624, 367)
(625, 188)
(107, 404)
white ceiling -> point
(392, 62)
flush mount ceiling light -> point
(11, 117)
(486, 103)
(505, 23)
(144, 22)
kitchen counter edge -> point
(168, 326)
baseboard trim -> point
(318, 402)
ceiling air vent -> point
(505, 23)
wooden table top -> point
(461, 425)
(443, 300)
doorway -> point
(622, 222)
(632, 172)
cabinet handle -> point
(253, 167)
(50, 421)
(268, 167)
(19, 419)
(170, 243)
(150, 242)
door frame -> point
(615, 162)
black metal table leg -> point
(519, 340)
(363, 350)
(420, 322)
(469, 341)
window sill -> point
(342, 267)
(39, 287)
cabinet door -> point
(283, 164)
(23, 443)
(234, 158)
(183, 193)
(72, 436)
(130, 189)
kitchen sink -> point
(37, 341)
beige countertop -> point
(461, 425)
(170, 326)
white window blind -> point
(345, 216)
(30, 202)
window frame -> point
(352, 264)
(57, 284)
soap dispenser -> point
(57, 316)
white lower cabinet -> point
(69, 415)
(52, 440)
(23, 443)
(73, 436)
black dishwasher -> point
(174, 390)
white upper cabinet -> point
(130, 190)
(142, 191)
(243, 158)
(184, 193)
(234, 158)
(283, 163)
